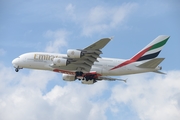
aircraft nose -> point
(15, 62)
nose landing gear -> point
(17, 69)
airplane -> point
(87, 66)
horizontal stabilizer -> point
(152, 63)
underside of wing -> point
(111, 79)
(92, 77)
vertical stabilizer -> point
(152, 50)
(149, 52)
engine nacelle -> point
(60, 61)
(71, 53)
(68, 77)
(88, 82)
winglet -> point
(112, 37)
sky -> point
(56, 26)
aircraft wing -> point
(98, 45)
(90, 55)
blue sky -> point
(55, 26)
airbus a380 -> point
(87, 65)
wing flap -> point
(159, 72)
(111, 79)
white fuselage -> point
(43, 61)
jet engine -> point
(71, 53)
(60, 61)
(68, 77)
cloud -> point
(26, 99)
(152, 98)
(70, 9)
(21, 94)
(151, 8)
(37, 79)
(101, 18)
(58, 40)
(73, 101)
(25, 96)
(2, 52)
